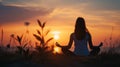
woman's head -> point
(80, 28)
(80, 23)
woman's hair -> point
(80, 28)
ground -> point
(61, 61)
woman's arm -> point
(69, 44)
(90, 42)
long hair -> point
(80, 28)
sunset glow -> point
(100, 17)
(57, 50)
(59, 33)
(56, 35)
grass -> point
(102, 60)
(61, 60)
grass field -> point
(51, 60)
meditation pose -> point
(81, 38)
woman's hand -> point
(57, 44)
(101, 44)
(63, 47)
(96, 47)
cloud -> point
(92, 4)
(22, 3)
(100, 11)
(10, 14)
(106, 4)
(95, 4)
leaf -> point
(25, 45)
(39, 22)
(37, 37)
(43, 25)
(49, 40)
(19, 39)
(38, 32)
(47, 32)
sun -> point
(56, 35)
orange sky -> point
(98, 33)
(100, 17)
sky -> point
(102, 17)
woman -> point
(80, 37)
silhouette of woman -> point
(80, 37)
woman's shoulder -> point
(72, 35)
(88, 34)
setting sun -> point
(56, 35)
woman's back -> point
(81, 45)
(80, 37)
